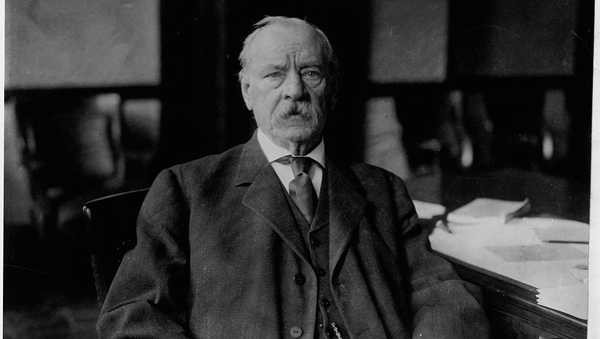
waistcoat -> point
(316, 240)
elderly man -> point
(274, 239)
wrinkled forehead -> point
(275, 43)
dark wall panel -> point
(74, 43)
(512, 37)
(408, 41)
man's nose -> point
(294, 87)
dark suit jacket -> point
(218, 255)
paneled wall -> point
(513, 37)
(54, 43)
(183, 55)
(408, 41)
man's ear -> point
(245, 87)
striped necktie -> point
(301, 188)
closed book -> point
(486, 210)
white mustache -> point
(296, 108)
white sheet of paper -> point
(568, 299)
(536, 252)
(428, 210)
(485, 210)
(471, 243)
(559, 230)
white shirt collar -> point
(274, 152)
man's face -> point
(284, 84)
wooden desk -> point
(515, 316)
(512, 314)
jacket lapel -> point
(266, 197)
(346, 209)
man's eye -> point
(312, 75)
(273, 75)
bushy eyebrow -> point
(278, 67)
(313, 61)
(271, 67)
(320, 67)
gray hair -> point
(330, 58)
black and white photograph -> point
(299, 169)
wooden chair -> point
(72, 152)
(112, 224)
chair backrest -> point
(112, 221)
(71, 142)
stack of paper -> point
(517, 251)
(485, 210)
(564, 231)
(568, 299)
(428, 210)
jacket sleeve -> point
(147, 296)
(443, 306)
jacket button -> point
(295, 332)
(321, 272)
(325, 302)
(299, 279)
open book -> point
(486, 210)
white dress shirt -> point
(283, 171)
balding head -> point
(271, 21)
(287, 77)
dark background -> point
(99, 98)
